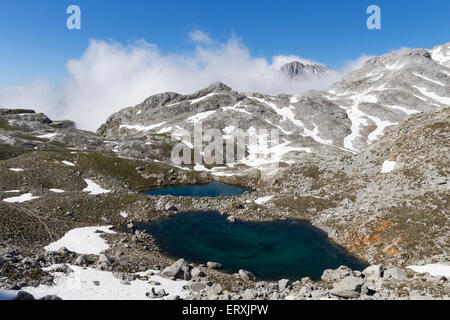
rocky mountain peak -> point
(160, 99)
(219, 87)
(300, 71)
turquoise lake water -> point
(210, 190)
(271, 250)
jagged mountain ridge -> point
(348, 117)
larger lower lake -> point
(271, 250)
(210, 190)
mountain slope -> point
(347, 118)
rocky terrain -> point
(366, 161)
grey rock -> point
(50, 297)
(178, 270)
(197, 286)
(247, 275)
(395, 273)
(336, 275)
(160, 204)
(284, 284)
(170, 206)
(306, 289)
(349, 287)
(103, 258)
(82, 260)
(231, 219)
(305, 279)
(213, 265)
(317, 294)
(373, 272)
(215, 289)
(298, 71)
(156, 294)
(197, 273)
(23, 295)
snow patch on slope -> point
(288, 114)
(358, 119)
(138, 127)
(94, 188)
(203, 98)
(79, 285)
(200, 116)
(432, 95)
(433, 269)
(263, 200)
(388, 166)
(57, 190)
(428, 79)
(22, 198)
(85, 240)
(47, 135)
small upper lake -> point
(271, 250)
(213, 189)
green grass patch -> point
(7, 152)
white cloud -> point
(110, 76)
(352, 65)
(199, 37)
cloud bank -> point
(110, 76)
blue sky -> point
(36, 43)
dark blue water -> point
(271, 250)
(213, 189)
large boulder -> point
(23, 295)
(247, 275)
(197, 273)
(156, 294)
(215, 289)
(338, 274)
(373, 272)
(395, 273)
(284, 284)
(104, 258)
(213, 265)
(178, 270)
(349, 287)
(197, 286)
(82, 260)
(170, 206)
